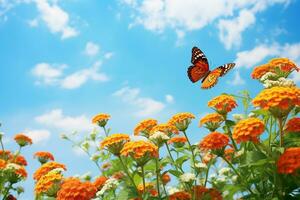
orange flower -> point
(177, 141)
(44, 169)
(101, 119)
(248, 130)
(118, 175)
(228, 153)
(73, 188)
(22, 140)
(2, 164)
(6, 155)
(180, 196)
(201, 192)
(214, 141)
(181, 120)
(261, 70)
(293, 125)
(168, 129)
(278, 100)
(43, 156)
(144, 127)
(289, 161)
(284, 64)
(100, 181)
(142, 151)
(222, 104)
(212, 121)
(21, 172)
(20, 160)
(149, 187)
(48, 184)
(166, 178)
(114, 143)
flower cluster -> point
(293, 125)
(101, 119)
(248, 130)
(43, 156)
(115, 142)
(222, 104)
(289, 161)
(214, 141)
(144, 127)
(181, 120)
(47, 167)
(211, 121)
(168, 129)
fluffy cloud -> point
(56, 19)
(38, 135)
(188, 15)
(91, 49)
(57, 119)
(250, 58)
(237, 79)
(146, 106)
(49, 74)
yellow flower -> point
(222, 104)
(114, 143)
(248, 130)
(278, 100)
(181, 120)
(48, 184)
(144, 127)
(167, 129)
(101, 119)
(214, 141)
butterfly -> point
(200, 70)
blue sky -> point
(63, 61)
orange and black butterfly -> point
(200, 70)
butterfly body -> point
(200, 70)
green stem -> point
(2, 146)
(157, 177)
(7, 190)
(127, 173)
(238, 174)
(105, 131)
(143, 177)
(172, 159)
(206, 175)
(280, 126)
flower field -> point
(254, 155)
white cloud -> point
(91, 49)
(108, 55)
(57, 119)
(188, 15)
(146, 106)
(169, 98)
(56, 19)
(33, 23)
(250, 58)
(38, 135)
(78, 78)
(296, 77)
(47, 74)
(231, 30)
(237, 80)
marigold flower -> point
(289, 161)
(2, 164)
(202, 192)
(142, 151)
(6, 154)
(180, 196)
(214, 141)
(259, 71)
(101, 119)
(73, 188)
(43, 156)
(48, 184)
(22, 139)
(293, 125)
(248, 130)
(223, 103)
(20, 160)
(21, 172)
(175, 140)
(284, 64)
(166, 178)
(47, 167)
(100, 181)
(212, 121)
(182, 120)
(167, 129)
(144, 127)
(278, 100)
(114, 143)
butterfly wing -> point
(200, 65)
(212, 78)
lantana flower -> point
(43, 156)
(101, 119)
(115, 142)
(22, 140)
(248, 130)
(211, 121)
(289, 161)
(144, 127)
(223, 104)
(182, 120)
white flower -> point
(187, 177)
(234, 178)
(172, 190)
(111, 183)
(224, 171)
(267, 76)
(201, 165)
(158, 135)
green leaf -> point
(179, 161)
(175, 173)
(229, 123)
